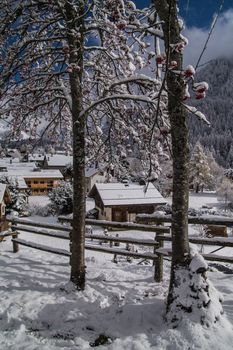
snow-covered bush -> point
(62, 198)
(225, 192)
(40, 210)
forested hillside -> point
(218, 107)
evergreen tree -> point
(225, 191)
(199, 170)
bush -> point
(62, 198)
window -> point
(35, 182)
(41, 182)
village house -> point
(5, 199)
(57, 161)
(42, 181)
(30, 177)
(93, 174)
(122, 202)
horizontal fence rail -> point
(198, 220)
(119, 225)
(159, 251)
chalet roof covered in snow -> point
(89, 172)
(36, 157)
(59, 160)
(114, 194)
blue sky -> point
(198, 16)
(196, 13)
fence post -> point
(15, 244)
(158, 262)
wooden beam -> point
(107, 224)
(41, 232)
(210, 257)
(6, 234)
(146, 242)
(40, 224)
(149, 256)
(219, 241)
(128, 226)
(41, 247)
(198, 220)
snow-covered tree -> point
(62, 198)
(200, 175)
(215, 170)
(77, 63)
(225, 191)
(190, 293)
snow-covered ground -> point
(40, 310)
(197, 200)
(38, 200)
(44, 200)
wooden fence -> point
(197, 220)
(64, 232)
(157, 243)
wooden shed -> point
(122, 202)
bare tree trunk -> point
(76, 47)
(180, 150)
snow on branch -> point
(197, 113)
(139, 98)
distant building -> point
(28, 176)
(122, 202)
(5, 199)
(94, 175)
(41, 182)
(57, 161)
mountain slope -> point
(218, 107)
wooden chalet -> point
(122, 202)
(5, 198)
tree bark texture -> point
(167, 11)
(76, 48)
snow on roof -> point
(2, 191)
(22, 171)
(8, 160)
(91, 171)
(55, 174)
(16, 165)
(59, 160)
(120, 194)
(30, 173)
(36, 157)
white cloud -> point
(220, 43)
